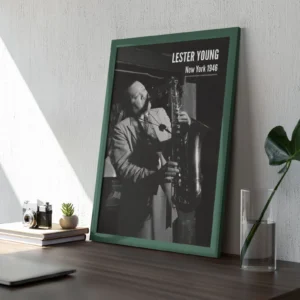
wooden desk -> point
(117, 272)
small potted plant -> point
(68, 220)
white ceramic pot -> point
(68, 222)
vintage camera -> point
(37, 215)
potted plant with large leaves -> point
(281, 152)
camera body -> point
(37, 215)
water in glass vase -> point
(261, 253)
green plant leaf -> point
(67, 209)
(280, 151)
(282, 170)
(295, 143)
(278, 147)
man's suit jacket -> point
(135, 158)
(128, 141)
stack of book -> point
(16, 232)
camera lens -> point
(29, 219)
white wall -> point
(53, 67)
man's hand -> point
(183, 117)
(168, 171)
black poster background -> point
(156, 61)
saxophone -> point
(186, 151)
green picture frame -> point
(214, 249)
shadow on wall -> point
(10, 206)
(55, 51)
(242, 153)
(30, 154)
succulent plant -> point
(67, 209)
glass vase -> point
(260, 255)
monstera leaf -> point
(280, 149)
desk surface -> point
(117, 272)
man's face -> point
(138, 96)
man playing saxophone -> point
(139, 154)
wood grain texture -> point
(8, 247)
(117, 272)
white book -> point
(39, 242)
(17, 228)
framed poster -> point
(163, 160)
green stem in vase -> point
(280, 150)
(258, 222)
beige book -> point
(55, 232)
(39, 242)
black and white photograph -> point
(162, 148)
